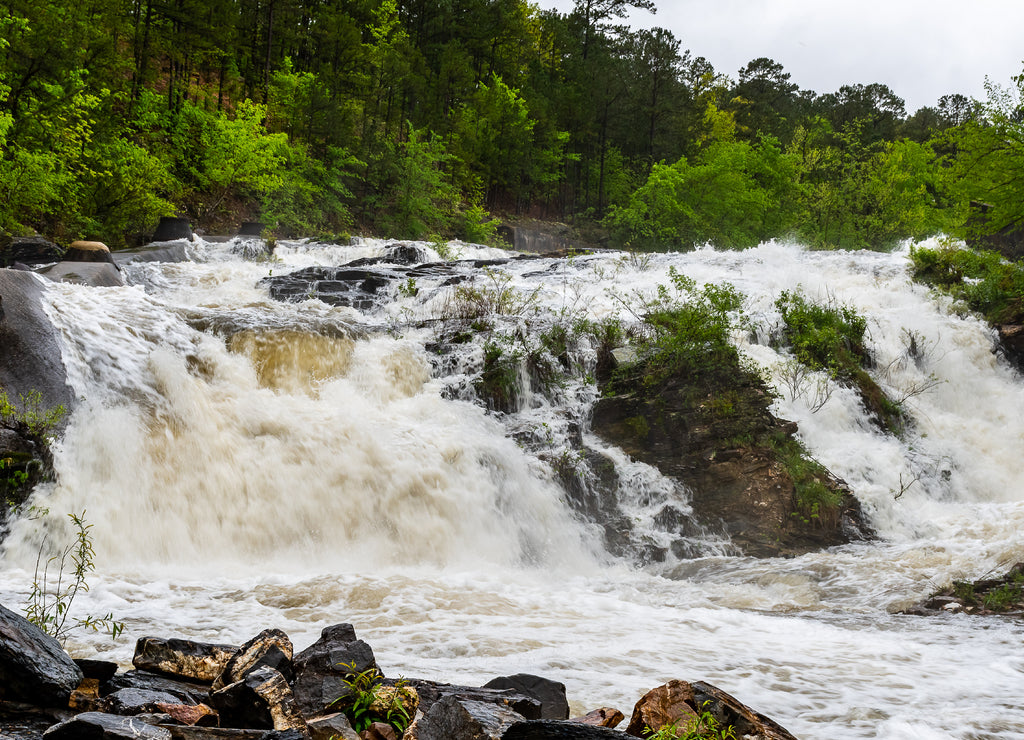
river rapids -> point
(246, 463)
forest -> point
(415, 119)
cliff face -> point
(746, 472)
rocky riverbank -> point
(263, 690)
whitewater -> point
(247, 463)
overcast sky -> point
(922, 49)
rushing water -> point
(247, 463)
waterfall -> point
(248, 463)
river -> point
(246, 463)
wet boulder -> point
(131, 701)
(28, 250)
(683, 703)
(185, 692)
(194, 661)
(30, 355)
(269, 648)
(603, 717)
(172, 228)
(336, 286)
(94, 274)
(321, 669)
(453, 718)
(262, 699)
(87, 251)
(33, 666)
(99, 726)
(550, 694)
(331, 726)
(165, 251)
(431, 692)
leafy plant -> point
(703, 726)
(368, 700)
(53, 594)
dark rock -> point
(188, 732)
(732, 713)
(252, 228)
(187, 659)
(263, 699)
(30, 356)
(186, 692)
(550, 694)
(173, 251)
(730, 462)
(603, 717)
(33, 666)
(28, 250)
(171, 229)
(268, 648)
(331, 726)
(321, 668)
(83, 251)
(90, 725)
(28, 722)
(103, 670)
(402, 253)
(138, 701)
(93, 274)
(86, 697)
(431, 692)
(670, 703)
(554, 730)
(452, 718)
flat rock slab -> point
(94, 274)
(99, 726)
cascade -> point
(250, 463)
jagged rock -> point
(321, 668)
(679, 702)
(550, 694)
(28, 250)
(603, 717)
(85, 251)
(403, 253)
(166, 251)
(194, 661)
(90, 725)
(185, 692)
(452, 718)
(190, 714)
(30, 355)
(546, 729)
(431, 692)
(332, 726)
(262, 699)
(269, 648)
(670, 703)
(335, 286)
(138, 701)
(33, 666)
(93, 274)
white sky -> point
(922, 49)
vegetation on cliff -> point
(413, 119)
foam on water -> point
(249, 464)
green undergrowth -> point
(983, 280)
(20, 471)
(830, 337)
(818, 500)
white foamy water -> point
(247, 464)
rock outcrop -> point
(33, 666)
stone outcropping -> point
(264, 703)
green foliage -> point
(368, 700)
(735, 195)
(53, 594)
(817, 499)
(499, 382)
(703, 726)
(688, 332)
(984, 280)
(831, 338)
(30, 414)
